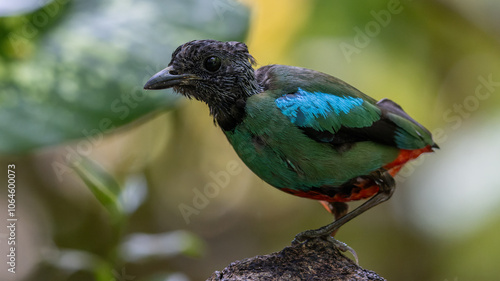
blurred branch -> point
(312, 260)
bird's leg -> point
(337, 209)
(386, 184)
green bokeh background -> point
(109, 176)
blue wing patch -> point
(326, 112)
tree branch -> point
(315, 259)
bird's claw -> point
(343, 247)
(304, 236)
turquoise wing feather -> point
(331, 110)
(327, 112)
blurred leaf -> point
(193, 246)
(139, 246)
(20, 6)
(105, 188)
(134, 193)
(169, 277)
(86, 75)
(72, 261)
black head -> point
(217, 73)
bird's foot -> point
(344, 248)
(322, 232)
(319, 233)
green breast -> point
(280, 154)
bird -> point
(303, 132)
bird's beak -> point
(164, 79)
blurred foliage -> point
(137, 246)
(61, 79)
(76, 69)
(106, 189)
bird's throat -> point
(230, 115)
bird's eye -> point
(212, 63)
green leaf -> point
(86, 73)
(104, 187)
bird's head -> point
(217, 73)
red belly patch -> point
(404, 156)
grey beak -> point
(164, 79)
